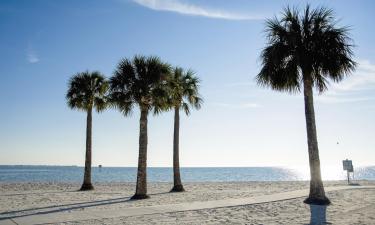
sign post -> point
(348, 166)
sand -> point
(348, 206)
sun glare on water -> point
(334, 172)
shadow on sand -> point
(66, 207)
(318, 214)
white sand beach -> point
(25, 200)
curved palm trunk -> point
(141, 189)
(177, 187)
(317, 194)
(87, 176)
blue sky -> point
(43, 43)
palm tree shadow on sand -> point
(66, 207)
(318, 215)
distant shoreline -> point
(25, 165)
(73, 174)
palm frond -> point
(183, 89)
(186, 108)
(87, 90)
(305, 45)
(139, 81)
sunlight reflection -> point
(328, 172)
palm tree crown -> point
(183, 92)
(307, 46)
(87, 91)
(139, 81)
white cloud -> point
(189, 9)
(363, 78)
(31, 56)
(342, 99)
(352, 88)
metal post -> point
(348, 176)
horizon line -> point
(97, 166)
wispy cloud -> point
(180, 7)
(354, 87)
(363, 78)
(31, 55)
(342, 99)
(237, 106)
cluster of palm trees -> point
(304, 50)
(147, 82)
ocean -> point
(73, 174)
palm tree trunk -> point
(141, 189)
(177, 187)
(87, 175)
(317, 194)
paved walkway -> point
(59, 216)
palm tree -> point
(183, 86)
(87, 91)
(305, 50)
(140, 81)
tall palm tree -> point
(183, 87)
(141, 82)
(305, 50)
(87, 92)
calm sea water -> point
(128, 174)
